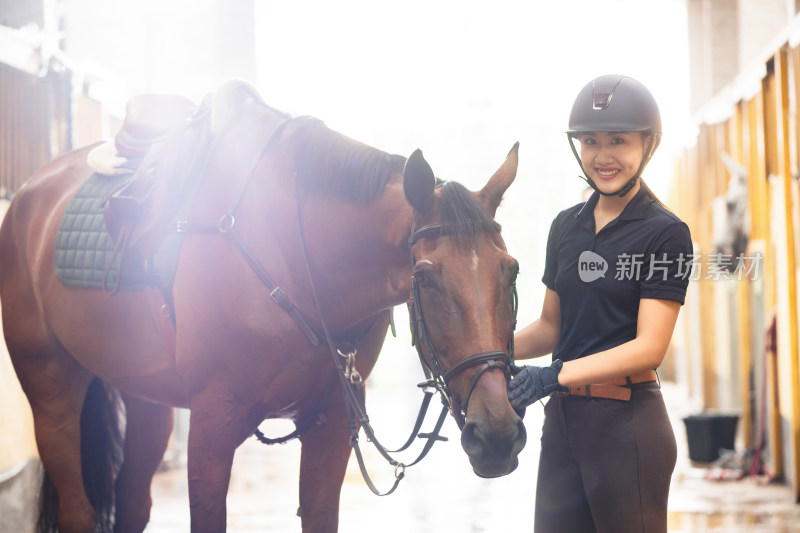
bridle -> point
(437, 376)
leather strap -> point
(614, 389)
(161, 313)
(641, 377)
(600, 390)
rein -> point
(353, 386)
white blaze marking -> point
(427, 262)
(474, 260)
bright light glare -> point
(464, 80)
(421, 71)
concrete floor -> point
(439, 495)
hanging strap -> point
(354, 391)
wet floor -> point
(697, 504)
(440, 494)
(443, 495)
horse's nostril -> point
(522, 438)
(470, 439)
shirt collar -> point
(634, 210)
(637, 207)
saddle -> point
(169, 141)
(149, 143)
(149, 119)
(167, 144)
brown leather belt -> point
(614, 389)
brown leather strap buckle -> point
(601, 390)
(614, 389)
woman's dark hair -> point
(647, 190)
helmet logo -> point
(601, 100)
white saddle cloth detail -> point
(105, 160)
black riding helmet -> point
(615, 103)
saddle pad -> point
(85, 252)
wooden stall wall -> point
(741, 370)
(34, 122)
(779, 168)
(33, 128)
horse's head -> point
(463, 308)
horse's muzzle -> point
(493, 451)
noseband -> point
(438, 377)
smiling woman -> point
(605, 417)
(613, 159)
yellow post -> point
(760, 207)
(790, 399)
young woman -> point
(616, 272)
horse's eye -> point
(512, 278)
(423, 279)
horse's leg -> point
(147, 433)
(323, 461)
(218, 425)
(56, 388)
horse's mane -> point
(461, 213)
(323, 159)
(329, 161)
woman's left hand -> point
(533, 383)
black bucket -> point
(707, 433)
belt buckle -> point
(561, 393)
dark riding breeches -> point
(605, 465)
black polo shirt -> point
(645, 252)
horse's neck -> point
(359, 254)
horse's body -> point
(238, 357)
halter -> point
(438, 377)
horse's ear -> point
(418, 181)
(492, 192)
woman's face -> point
(611, 158)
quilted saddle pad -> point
(85, 253)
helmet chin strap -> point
(622, 192)
(625, 189)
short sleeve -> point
(668, 268)
(551, 257)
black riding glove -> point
(533, 383)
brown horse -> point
(325, 218)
